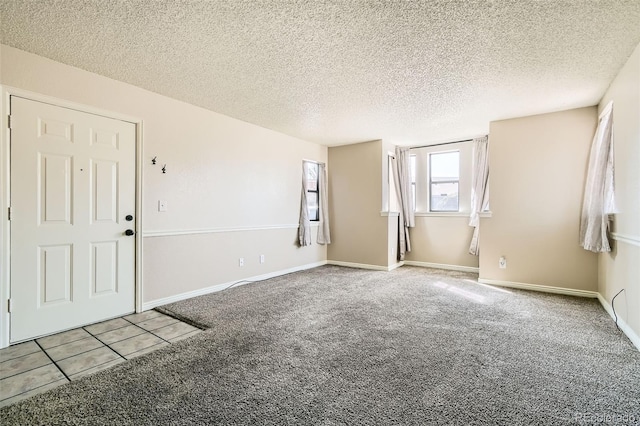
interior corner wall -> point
(359, 234)
(538, 168)
(232, 188)
(620, 269)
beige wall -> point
(193, 262)
(538, 167)
(359, 234)
(442, 240)
(621, 268)
(222, 174)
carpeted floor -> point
(335, 345)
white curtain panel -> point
(324, 235)
(599, 189)
(401, 169)
(304, 228)
(479, 189)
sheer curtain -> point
(599, 188)
(401, 170)
(479, 189)
(304, 228)
(324, 235)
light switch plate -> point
(162, 206)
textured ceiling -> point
(337, 72)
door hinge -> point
(9, 305)
(9, 121)
(8, 213)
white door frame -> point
(5, 174)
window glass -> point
(311, 169)
(444, 177)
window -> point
(313, 191)
(444, 181)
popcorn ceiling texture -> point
(337, 72)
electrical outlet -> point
(241, 261)
(162, 206)
(262, 258)
(502, 263)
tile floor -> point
(29, 368)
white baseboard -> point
(442, 266)
(395, 266)
(364, 265)
(541, 288)
(219, 287)
(635, 339)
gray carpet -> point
(335, 345)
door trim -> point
(5, 174)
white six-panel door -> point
(72, 188)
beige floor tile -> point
(25, 370)
(146, 350)
(185, 336)
(142, 316)
(174, 330)
(29, 380)
(106, 326)
(135, 344)
(87, 360)
(97, 368)
(62, 338)
(74, 348)
(32, 392)
(24, 363)
(19, 350)
(120, 334)
(156, 323)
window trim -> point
(413, 176)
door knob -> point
(129, 232)
(128, 218)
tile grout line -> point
(148, 347)
(54, 363)
(2, 361)
(25, 371)
(22, 393)
(79, 353)
(61, 344)
(151, 332)
(98, 339)
(106, 331)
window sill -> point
(437, 214)
(442, 214)
(449, 214)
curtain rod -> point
(313, 161)
(440, 144)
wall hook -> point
(153, 160)
(164, 169)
